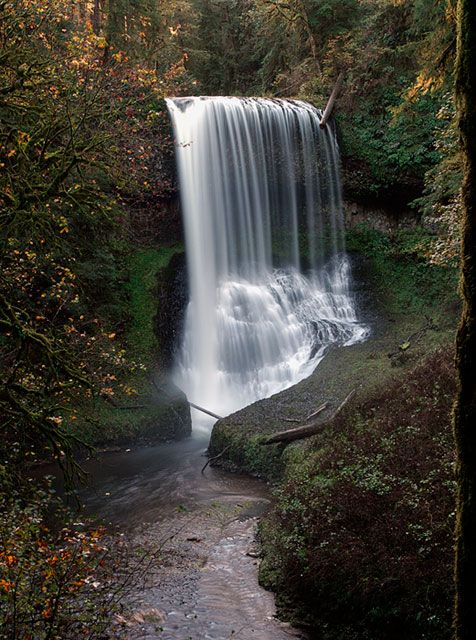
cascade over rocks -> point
(269, 281)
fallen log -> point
(298, 433)
(330, 104)
(317, 411)
(311, 415)
(195, 406)
(308, 430)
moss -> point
(244, 452)
(144, 421)
(143, 415)
(403, 281)
(144, 265)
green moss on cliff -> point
(402, 279)
(138, 413)
(144, 265)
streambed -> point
(198, 534)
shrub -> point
(399, 267)
(55, 582)
(361, 538)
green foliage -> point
(403, 279)
(144, 265)
(131, 26)
(389, 114)
(244, 452)
(390, 148)
(441, 199)
(395, 56)
(223, 57)
(360, 539)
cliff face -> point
(172, 289)
(379, 217)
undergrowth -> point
(401, 276)
(56, 575)
(360, 539)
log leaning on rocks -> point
(195, 406)
(308, 430)
(209, 413)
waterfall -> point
(268, 276)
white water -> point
(269, 280)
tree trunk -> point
(465, 406)
(96, 18)
(308, 430)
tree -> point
(58, 224)
(223, 54)
(465, 408)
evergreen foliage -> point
(397, 63)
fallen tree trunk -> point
(295, 434)
(330, 104)
(311, 415)
(308, 430)
(317, 411)
(195, 406)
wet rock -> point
(171, 411)
(172, 291)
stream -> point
(198, 532)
